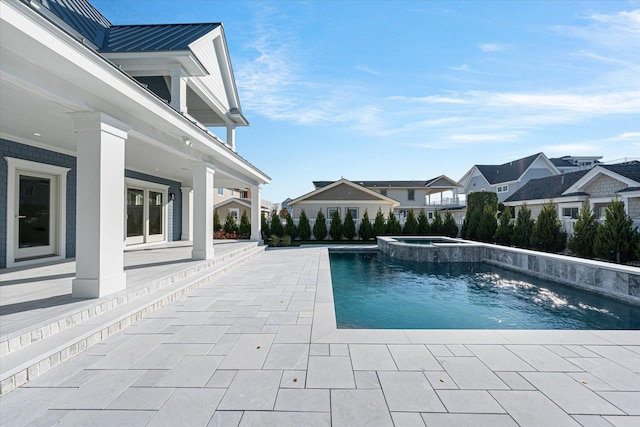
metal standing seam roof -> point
(507, 172)
(154, 38)
(82, 17)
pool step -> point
(94, 323)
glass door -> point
(155, 230)
(135, 216)
(145, 216)
(36, 216)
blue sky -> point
(416, 89)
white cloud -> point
(368, 70)
(491, 47)
(463, 67)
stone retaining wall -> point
(618, 281)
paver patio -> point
(259, 346)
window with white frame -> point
(353, 212)
(502, 188)
(570, 212)
(235, 213)
(220, 191)
(331, 211)
(411, 194)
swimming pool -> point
(375, 291)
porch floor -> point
(32, 295)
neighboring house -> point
(575, 163)
(357, 196)
(341, 196)
(104, 139)
(426, 196)
(235, 201)
(507, 178)
(598, 185)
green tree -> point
(487, 227)
(304, 229)
(230, 224)
(476, 203)
(410, 224)
(320, 227)
(265, 225)
(349, 227)
(393, 225)
(617, 239)
(290, 228)
(547, 234)
(276, 226)
(437, 225)
(449, 226)
(505, 228)
(335, 227)
(523, 228)
(584, 232)
(424, 228)
(379, 224)
(244, 230)
(366, 230)
(216, 221)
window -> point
(331, 211)
(411, 194)
(430, 215)
(353, 212)
(235, 213)
(570, 212)
(383, 192)
(146, 215)
(232, 193)
(502, 188)
(220, 191)
(244, 194)
(600, 209)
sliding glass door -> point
(146, 215)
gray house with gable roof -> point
(598, 186)
(507, 178)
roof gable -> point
(343, 189)
(628, 173)
(416, 184)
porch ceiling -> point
(25, 113)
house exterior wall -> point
(174, 207)
(40, 155)
(478, 183)
(402, 195)
(604, 186)
(311, 209)
(223, 211)
(634, 207)
(341, 192)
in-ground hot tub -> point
(431, 248)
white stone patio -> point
(259, 346)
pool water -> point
(375, 291)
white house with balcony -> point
(106, 138)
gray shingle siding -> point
(174, 207)
(40, 155)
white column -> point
(256, 223)
(187, 213)
(231, 137)
(202, 211)
(99, 205)
(178, 90)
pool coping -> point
(325, 329)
